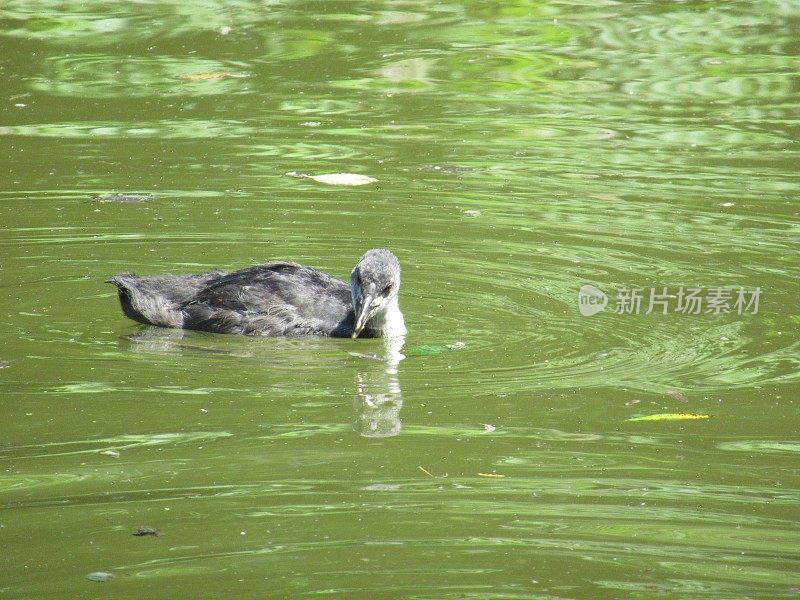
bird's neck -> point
(390, 320)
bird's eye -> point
(386, 290)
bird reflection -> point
(378, 397)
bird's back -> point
(277, 298)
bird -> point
(272, 299)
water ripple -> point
(109, 76)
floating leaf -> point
(428, 349)
(670, 417)
(677, 395)
(336, 178)
(205, 76)
(147, 530)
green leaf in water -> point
(670, 417)
(429, 349)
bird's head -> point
(375, 282)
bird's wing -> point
(274, 298)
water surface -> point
(523, 150)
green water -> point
(523, 150)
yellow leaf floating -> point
(204, 76)
(336, 178)
(671, 417)
(490, 475)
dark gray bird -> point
(276, 298)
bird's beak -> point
(363, 314)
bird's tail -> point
(145, 300)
